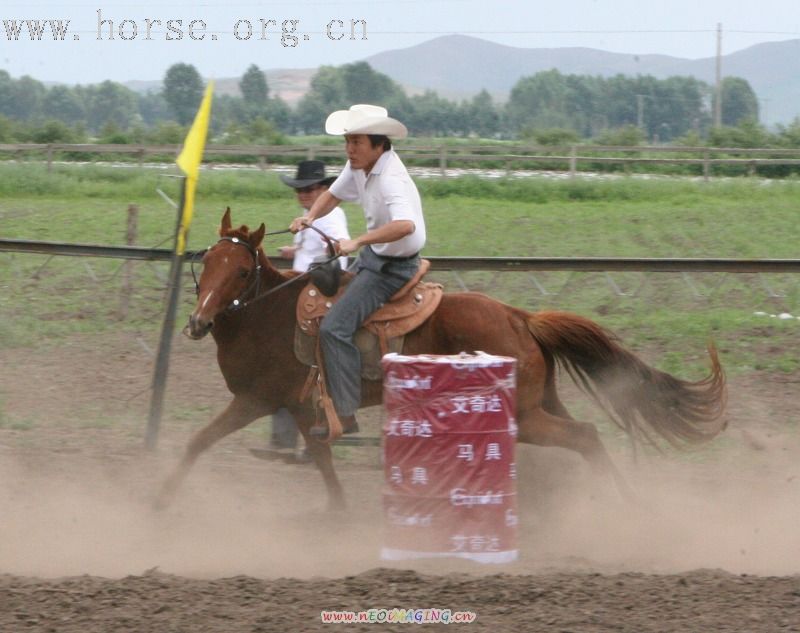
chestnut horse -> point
(255, 353)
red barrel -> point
(450, 474)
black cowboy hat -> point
(309, 172)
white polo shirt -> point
(310, 244)
(387, 194)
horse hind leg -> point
(238, 414)
(542, 428)
(551, 403)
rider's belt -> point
(397, 259)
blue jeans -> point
(377, 279)
(284, 430)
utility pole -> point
(718, 85)
(640, 112)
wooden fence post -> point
(49, 157)
(443, 160)
(706, 166)
(573, 161)
(127, 267)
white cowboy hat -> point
(365, 119)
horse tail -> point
(636, 396)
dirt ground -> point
(713, 545)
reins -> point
(240, 302)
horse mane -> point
(243, 232)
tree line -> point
(546, 108)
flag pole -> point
(189, 162)
(167, 330)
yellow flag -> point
(189, 161)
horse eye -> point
(243, 273)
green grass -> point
(45, 300)
(97, 421)
(7, 421)
(517, 217)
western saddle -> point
(382, 332)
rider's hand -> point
(298, 224)
(287, 252)
(345, 247)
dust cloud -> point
(75, 495)
(734, 517)
(72, 513)
(71, 516)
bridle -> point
(255, 285)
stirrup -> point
(322, 432)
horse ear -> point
(226, 222)
(257, 235)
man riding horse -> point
(375, 177)
(253, 312)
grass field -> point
(669, 316)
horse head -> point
(231, 271)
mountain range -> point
(459, 66)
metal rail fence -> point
(513, 264)
(458, 265)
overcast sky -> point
(682, 28)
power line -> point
(291, 3)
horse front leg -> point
(323, 458)
(238, 414)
